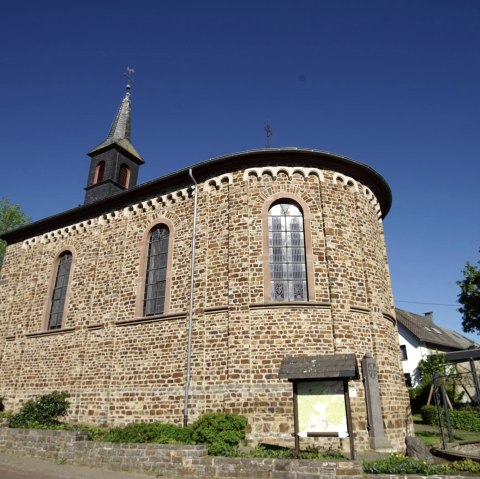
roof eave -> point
(204, 170)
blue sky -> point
(393, 84)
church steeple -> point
(115, 161)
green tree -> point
(429, 364)
(435, 362)
(11, 217)
(469, 298)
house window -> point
(286, 248)
(156, 271)
(124, 175)
(99, 172)
(408, 380)
(59, 294)
(403, 352)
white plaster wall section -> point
(373, 200)
(345, 181)
(215, 183)
(274, 171)
(348, 182)
(61, 233)
(129, 211)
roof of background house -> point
(423, 327)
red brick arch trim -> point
(307, 218)
(142, 269)
(51, 286)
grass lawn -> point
(434, 438)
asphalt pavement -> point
(26, 467)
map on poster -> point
(321, 407)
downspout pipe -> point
(190, 308)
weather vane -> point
(269, 133)
(130, 72)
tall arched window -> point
(156, 271)
(124, 175)
(59, 293)
(99, 172)
(286, 247)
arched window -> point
(124, 175)
(99, 172)
(59, 293)
(156, 271)
(286, 248)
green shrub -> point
(419, 396)
(93, 433)
(467, 465)
(429, 415)
(148, 432)
(310, 452)
(463, 419)
(398, 464)
(5, 415)
(272, 452)
(220, 432)
(41, 412)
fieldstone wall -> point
(119, 367)
(164, 460)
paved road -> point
(24, 467)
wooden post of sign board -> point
(296, 451)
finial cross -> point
(269, 133)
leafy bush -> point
(220, 432)
(399, 464)
(93, 433)
(148, 432)
(271, 452)
(5, 415)
(310, 452)
(419, 396)
(429, 415)
(43, 411)
(463, 419)
(467, 465)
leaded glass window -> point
(286, 245)
(156, 274)
(60, 291)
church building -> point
(255, 283)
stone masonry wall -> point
(119, 367)
(164, 460)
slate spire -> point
(120, 128)
(115, 161)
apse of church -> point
(103, 301)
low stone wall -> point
(164, 461)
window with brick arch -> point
(99, 172)
(124, 175)
(60, 288)
(156, 271)
(286, 248)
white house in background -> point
(419, 336)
